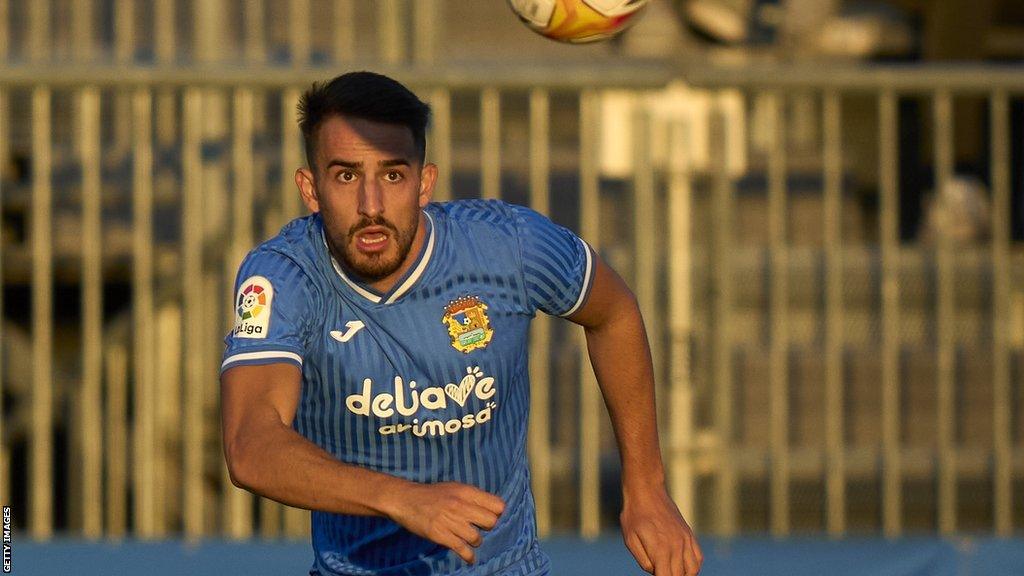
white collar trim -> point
(420, 267)
(409, 282)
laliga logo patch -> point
(468, 325)
(252, 308)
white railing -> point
(795, 343)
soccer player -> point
(377, 371)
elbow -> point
(238, 480)
(239, 470)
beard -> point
(373, 267)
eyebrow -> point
(359, 165)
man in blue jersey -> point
(377, 371)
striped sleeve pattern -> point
(273, 301)
(558, 266)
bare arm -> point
(267, 457)
(655, 532)
(621, 357)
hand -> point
(658, 536)
(449, 513)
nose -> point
(371, 202)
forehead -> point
(345, 138)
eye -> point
(393, 176)
(346, 176)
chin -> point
(373, 268)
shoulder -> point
(496, 215)
(288, 256)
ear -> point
(428, 177)
(307, 189)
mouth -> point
(372, 239)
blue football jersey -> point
(427, 382)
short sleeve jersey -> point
(427, 382)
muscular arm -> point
(267, 457)
(655, 532)
(621, 357)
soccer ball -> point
(578, 21)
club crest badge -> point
(467, 323)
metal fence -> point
(945, 351)
(820, 367)
(297, 33)
(816, 372)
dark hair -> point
(367, 96)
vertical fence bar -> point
(209, 19)
(164, 41)
(83, 459)
(540, 338)
(835, 449)
(944, 323)
(213, 311)
(41, 440)
(91, 414)
(143, 316)
(390, 28)
(116, 440)
(490, 143)
(441, 139)
(124, 53)
(215, 205)
(238, 502)
(889, 221)
(5, 37)
(203, 211)
(81, 30)
(166, 321)
(344, 30)
(169, 384)
(728, 481)
(680, 424)
(291, 155)
(296, 520)
(124, 30)
(1002, 435)
(270, 518)
(299, 32)
(254, 31)
(192, 289)
(165, 48)
(778, 352)
(425, 31)
(646, 217)
(39, 34)
(590, 423)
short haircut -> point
(367, 96)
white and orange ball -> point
(578, 21)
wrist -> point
(388, 495)
(641, 484)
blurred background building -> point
(818, 203)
